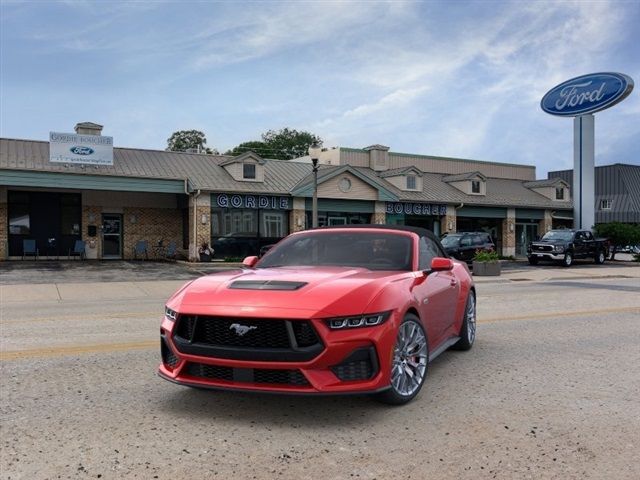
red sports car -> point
(350, 309)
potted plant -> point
(486, 263)
(205, 252)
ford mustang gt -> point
(337, 310)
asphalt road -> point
(550, 390)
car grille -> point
(543, 248)
(247, 375)
(168, 357)
(247, 338)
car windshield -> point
(558, 235)
(371, 250)
(450, 240)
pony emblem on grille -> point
(241, 330)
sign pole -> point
(583, 172)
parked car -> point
(564, 246)
(320, 314)
(464, 245)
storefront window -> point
(19, 220)
(273, 223)
(238, 232)
(70, 214)
(339, 218)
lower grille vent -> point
(168, 357)
(247, 375)
(362, 364)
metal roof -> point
(463, 176)
(203, 171)
(281, 177)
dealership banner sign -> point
(415, 208)
(224, 200)
(80, 149)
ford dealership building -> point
(79, 187)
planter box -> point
(486, 269)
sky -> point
(449, 78)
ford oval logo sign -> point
(81, 150)
(587, 94)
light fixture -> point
(92, 217)
(450, 225)
(511, 227)
(314, 152)
(133, 219)
(203, 219)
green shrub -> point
(482, 256)
(233, 259)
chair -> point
(142, 247)
(79, 250)
(29, 248)
(172, 250)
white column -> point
(583, 172)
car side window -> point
(428, 250)
(588, 236)
(579, 236)
(465, 241)
(478, 240)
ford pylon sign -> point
(587, 94)
(80, 149)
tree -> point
(283, 144)
(287, 144)
(619, 234)
(255, 146)
(183, 140)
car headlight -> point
(170, 314)
(559, 248)
(367, 320)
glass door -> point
(111, 236)
(525, 233)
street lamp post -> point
(314, 153)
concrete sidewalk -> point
(523, 272)
(155, 287)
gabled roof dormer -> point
(408, 179)
(553, 188)
(471, 183)
(247, 167)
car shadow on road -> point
(268, 409)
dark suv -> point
(464, 245)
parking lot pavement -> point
(548, 391)
(39, 272)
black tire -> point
(600, 257)
(392, 396)
(468, 328)
(567, 261)
(532, 260)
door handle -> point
(454, 282)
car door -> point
(437, 294)
(466, 248)
(579, 245)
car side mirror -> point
(440, 264)
(250, 262)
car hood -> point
(285, 292)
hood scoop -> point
(266, 285)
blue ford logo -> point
(587, 94)
(81, 150)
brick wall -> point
(203, 229)
(4, 231)
(151, 224)
(509, 233)
(448, 224)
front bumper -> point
(354, 360)
(552, 256)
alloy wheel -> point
(409, 359)
(471, 318)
